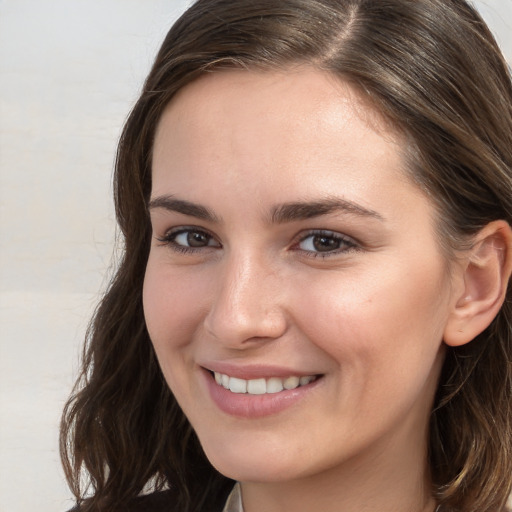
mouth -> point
(262, 386)
(264, 392)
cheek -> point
(378, 324)
(172, 311)
(172, 306)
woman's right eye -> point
(188, 239)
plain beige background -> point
(69, 72)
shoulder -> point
(164, 501)
(161, 501)
(155, 502)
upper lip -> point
(254, 371)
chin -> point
(252, 471)
(246, 463)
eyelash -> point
(169, 239)
(347, 244)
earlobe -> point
(487, 269)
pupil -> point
(196, 239)
(325, 243)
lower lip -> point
(244, 405)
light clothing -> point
(234, 501)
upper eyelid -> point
(181, 229)
(175, 231)
(325, 232)
(351, 244)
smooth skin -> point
(286, 233)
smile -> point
(261, 386)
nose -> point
(247, 308)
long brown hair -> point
(434, 70)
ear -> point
(486, 270)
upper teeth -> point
(261, 386)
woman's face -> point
(294, 263)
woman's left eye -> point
(325, 243)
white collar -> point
(234, 501)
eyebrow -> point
(185, 207)
(287, 212)
(290, 212)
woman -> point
(314, 300)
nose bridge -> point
(247, 303)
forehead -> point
(270, 117)
(221, 91)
